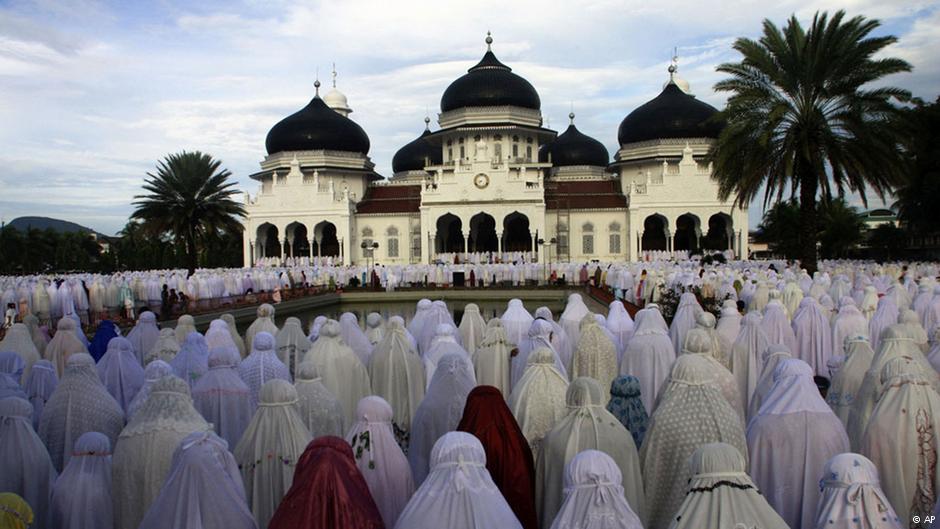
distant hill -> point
(42, 223)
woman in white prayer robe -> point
(81, 497)
(193, 359)
(792, 436)
(538, 400)
(538, 336)
(185, 324)
(746, 356)
(222, 397)
(901, 439)
(777, 325)
(458, 492)
(721, 495)
(144, 451)
(375, 327)
(492, 361)
(729, 321)
(39, 387)
(439, 412)
(885, 316)
(594, 496)
(691, 412)
(154, 371)
(262, 365)
(203, 490)
(848, 322)
(570, 320)
(596, 354)
(771, 356)
(649, 355)
(165, 349)
(813, 333)
(18, 340)
(26, 467)
(516, 320)
(315, 326)
(64, 344)
(472, 328)
(444, 343)
(270, 448)
(354, 337)
(218, 335)
(847, 381)
(144, 335)
(852, 497)
(397, 375)
(79, 404)
(422, 311)
(229, 320)
(587, 425)
(720, 350)
(698, 342)
(380, 459)
(340, 369)
(619, 323)
(438, 314)
(563, 347)
(264, 322)
(909, 319)
(684, 319)
(120, 371)
(320, 410)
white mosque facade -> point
(492, 178)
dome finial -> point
(571, 117)
(316, 85)
(427, 123)
(334, 75)
(674, 64)
(489, 41)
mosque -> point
(492, 178)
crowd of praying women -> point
(809, 402)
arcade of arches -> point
(297, 241)
(515, 235)
(656, 235)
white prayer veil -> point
(39, 387)
(443, 344)
(649, 355)
(354, 337)
(120, 371)
(185, 324)
(459, 491)
(813, 333)
(375, 327)
(268, 451)
(64, 344)
(588, 425)
(262, 364)
(340, 369)
(229, 320)
(594, 496)
(472, 328)
(19, 341)
(560, 342)
(193, 359)
(492, 360)
(218, 335)
(321, 412)
(397, 375)
(691, 412)
(595, 355)
(847, 381)
(222, 397)
(852, 496)
(154, 371)
(538, 400)
(203, 489)
(746, 355)
(777, 326)
(144, 335)
(684, 319)
(619, 321)
(144, 452)
(697, 341)
(516, 320)
(315, 326)
(263, 323)
(538, 337)
(849, 321)
(79, 404)
(771, 356)
(380, 459)
(440, 411)
(575, 311)
(165, 349)
(721, 495)
(27, 468)
(81, 497)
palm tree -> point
(189, 197)
(799, 118)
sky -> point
(93, 94)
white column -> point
(534, 253)
(466, 242)
(499, 244)
(283, 248)
(310, 250)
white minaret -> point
(336, 99)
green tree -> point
(779, 228)
(887, 241)
(799, 117)
(919, 194)
(841, 230)
(189, 198)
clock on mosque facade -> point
(481, 181)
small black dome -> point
(412, 156)
(490, 83)
(574, 148)
(672, 114)
(317, 127)
(544, 150)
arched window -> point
(367, 235)
(515, 150)
(528, 153)
(587, 238)
(497, 151)
(614, 239)
(392, 241)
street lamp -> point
(548, 244)
(368, 249)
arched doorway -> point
(325, 242)
(268, 241)
(720, 230)
(449, 238)
(516, 237)
(298, 240)
(654, 233)
(483, 233)
(688, 231)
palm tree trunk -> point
(191, 252)
(808, 221)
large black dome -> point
(672, 114)
(412, 156)
(574, 148)
(490, 83)
(317, 127)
